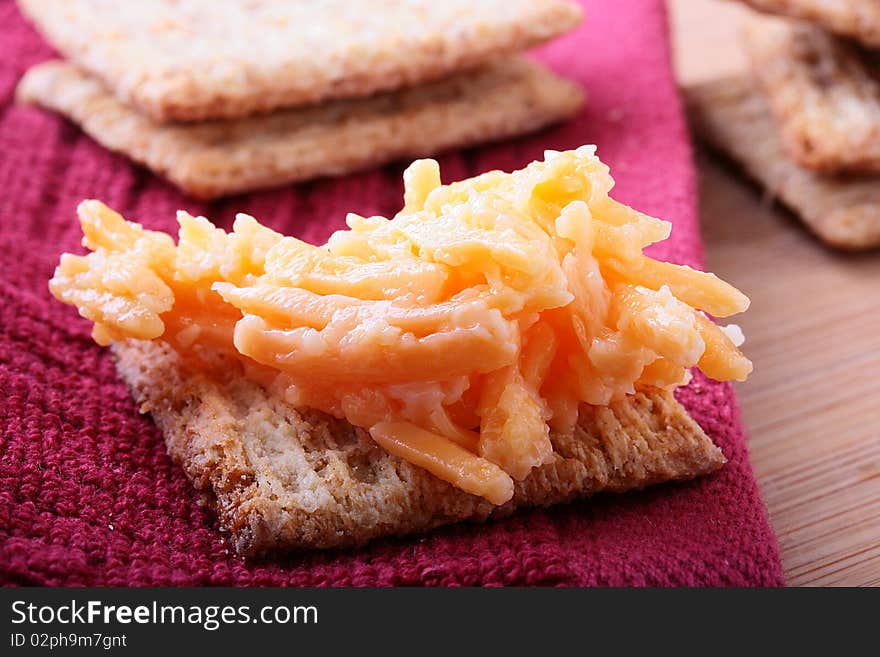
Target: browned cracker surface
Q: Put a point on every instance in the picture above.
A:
(858, 19)
(209, 59)
(824, 93)
(286, 479)
(218, 158)
(844, 211)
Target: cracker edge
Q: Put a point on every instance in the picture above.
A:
(846, 23)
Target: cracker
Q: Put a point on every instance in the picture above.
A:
(843, 211)
(856, 19)
(824, 93)
(284, 479)
(188, 60)
(214, 159)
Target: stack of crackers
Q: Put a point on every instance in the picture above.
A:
(224, 96)
(806, 123)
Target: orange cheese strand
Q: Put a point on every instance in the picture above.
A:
(459, 331)
(698, 289)
(721, 359)
(444, 459)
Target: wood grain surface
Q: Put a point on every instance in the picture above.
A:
(812, 406)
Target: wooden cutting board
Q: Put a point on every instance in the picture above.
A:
(812, 406)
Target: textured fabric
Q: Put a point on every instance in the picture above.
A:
(88, 494)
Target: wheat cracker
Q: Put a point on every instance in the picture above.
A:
(843, 211)
(824, 93)
(191, 60)
(213, 159)
(282, 479)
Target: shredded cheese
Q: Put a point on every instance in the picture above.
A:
(458, 333)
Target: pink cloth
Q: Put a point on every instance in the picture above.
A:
(88, 495)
